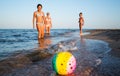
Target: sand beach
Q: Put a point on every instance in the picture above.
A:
(97, 54)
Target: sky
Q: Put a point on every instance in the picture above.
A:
(98, 14)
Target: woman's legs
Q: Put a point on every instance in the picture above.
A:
(39, 31)
(42, 31)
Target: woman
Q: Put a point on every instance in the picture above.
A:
(39, 17)
(48, 23)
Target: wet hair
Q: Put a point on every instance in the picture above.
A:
(39, 5)
(47, 13)
(80, 13)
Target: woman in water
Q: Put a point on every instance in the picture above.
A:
(48, 23)
(39, 17)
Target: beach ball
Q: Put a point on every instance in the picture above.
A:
(64, 63)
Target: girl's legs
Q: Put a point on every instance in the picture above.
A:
(48, 29)
(80, 26)
(45, 29)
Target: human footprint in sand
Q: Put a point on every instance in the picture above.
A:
(81, 22)
(39, 17)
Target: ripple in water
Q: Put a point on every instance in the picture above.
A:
(88, 53)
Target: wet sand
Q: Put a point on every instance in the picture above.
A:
(110, 36)
(111, 61)
(37, 62)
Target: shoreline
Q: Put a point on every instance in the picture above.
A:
(110, 36)
(36, 59)
(111, 61)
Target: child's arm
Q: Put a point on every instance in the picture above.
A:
(79, 20)
(83, 20)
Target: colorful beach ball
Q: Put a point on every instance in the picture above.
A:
(64, 63)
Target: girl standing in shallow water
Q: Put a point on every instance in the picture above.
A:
(39, 17)
(48, 23)
(81, 22)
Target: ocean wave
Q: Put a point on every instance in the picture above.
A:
(13, 40)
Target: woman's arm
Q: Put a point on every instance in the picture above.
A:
(44, 21)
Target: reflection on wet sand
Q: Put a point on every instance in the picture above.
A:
(82, 42)
(83, 65)
(44, 43)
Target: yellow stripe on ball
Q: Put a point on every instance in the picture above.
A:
(61, 62)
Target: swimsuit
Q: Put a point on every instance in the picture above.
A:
(40, 23)
(38, 15)
(48, 20)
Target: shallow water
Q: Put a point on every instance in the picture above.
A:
(88, 54)
(17, 40)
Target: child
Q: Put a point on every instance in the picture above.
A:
(81, 22)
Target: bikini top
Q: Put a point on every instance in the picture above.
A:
(39, 14)
(48, 19)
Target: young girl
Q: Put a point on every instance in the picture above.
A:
(48, 23)
(81, 22)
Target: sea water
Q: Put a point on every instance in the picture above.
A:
(88, 52)
(16, 40)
